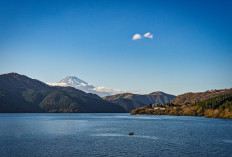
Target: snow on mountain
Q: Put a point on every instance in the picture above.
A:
(86, 87)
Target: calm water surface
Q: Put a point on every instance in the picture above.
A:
(107, 135)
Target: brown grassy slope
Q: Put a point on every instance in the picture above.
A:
(191, 98)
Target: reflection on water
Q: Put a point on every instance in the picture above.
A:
(107, 135)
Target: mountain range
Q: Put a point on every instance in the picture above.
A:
(19, 93)
(130, 101)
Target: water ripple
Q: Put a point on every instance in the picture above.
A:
(120, 135)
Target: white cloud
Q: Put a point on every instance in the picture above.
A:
(136, 37)
(108, 90)
(117, 91)
(101, 91)
(148, 35)
(57, 84)
(83, 84)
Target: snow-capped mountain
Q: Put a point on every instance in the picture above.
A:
(86, 87)
(77, 83)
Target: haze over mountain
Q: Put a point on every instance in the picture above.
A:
(19, 93)
(130, 101)
(77, 83)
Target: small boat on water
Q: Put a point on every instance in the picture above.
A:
(131, 133)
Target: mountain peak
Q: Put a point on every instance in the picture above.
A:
(12, 74)
(16, 80)
(157, 93)
(72, 80)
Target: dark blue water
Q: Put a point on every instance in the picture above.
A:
(107, 135)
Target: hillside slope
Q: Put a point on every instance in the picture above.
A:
(211, 104)
(191, 98)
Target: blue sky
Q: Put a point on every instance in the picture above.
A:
(191, 49)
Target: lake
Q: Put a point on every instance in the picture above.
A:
(44, 134)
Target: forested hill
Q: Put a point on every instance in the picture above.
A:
(191, 98)
(19, 93)
(215, 107)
